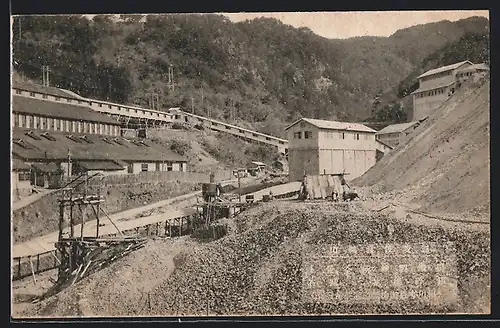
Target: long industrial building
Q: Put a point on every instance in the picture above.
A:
(329, 147)
(138, 117)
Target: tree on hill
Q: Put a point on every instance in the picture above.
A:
(267, 69)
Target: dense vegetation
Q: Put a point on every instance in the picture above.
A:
(259, 72)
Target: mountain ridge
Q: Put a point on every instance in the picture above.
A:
(260, 71)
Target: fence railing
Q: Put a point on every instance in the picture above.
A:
(148, 177)
(32, 265)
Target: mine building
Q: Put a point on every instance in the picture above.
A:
(394, 134)
(437, 85)
(330, 147)
(53, 140)
(46, 115)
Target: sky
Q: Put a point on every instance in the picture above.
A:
(342, 25)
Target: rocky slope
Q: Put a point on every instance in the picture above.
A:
(444, 165)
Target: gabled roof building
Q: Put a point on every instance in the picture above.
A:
(437, 85)
(329, 147)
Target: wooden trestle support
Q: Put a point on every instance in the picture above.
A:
(81, 254)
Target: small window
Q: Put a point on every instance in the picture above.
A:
(19, 92)
(357, 136)
(57, 98)
(32, 94)
(169, 166)
(111, 106)
(307, 134)
(24, 176)
(100, 105)
(90, 103)
(343, 135)
(181, 167)
(68, 100)
(297, 135)
(144, 167)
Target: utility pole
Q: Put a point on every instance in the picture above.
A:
(240, 171)
(192, 105)
(45, 75)
(109, 87)
(171, 83)
(19, 27)
(153, 100)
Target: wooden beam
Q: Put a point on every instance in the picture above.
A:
(32, 271)
(114, 225)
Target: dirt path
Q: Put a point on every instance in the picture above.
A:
(31, 199)
(173, 207)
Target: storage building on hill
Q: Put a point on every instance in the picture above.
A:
(53, 155)
(20, 179)
(393, 134)
(437, 85)
(329, 147)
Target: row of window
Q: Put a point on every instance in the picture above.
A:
(54, 124)
(145, 167)
(70, 100)
(330, 135)
(344, 135)
(24, 176)
(430, 93)
(298, 135)
(464, 74)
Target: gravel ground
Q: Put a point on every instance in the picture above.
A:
(257, 268)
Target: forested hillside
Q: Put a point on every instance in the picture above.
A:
(259, 72)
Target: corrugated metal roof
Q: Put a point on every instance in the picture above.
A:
(54, 109)
(100, 165)
(333, 125)
(38, 88)
(481, 66)
(444, 68)
(19, 165)
(434, 87)
(259, 163)
(46, 168)
(396, 127)
(96, 148)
